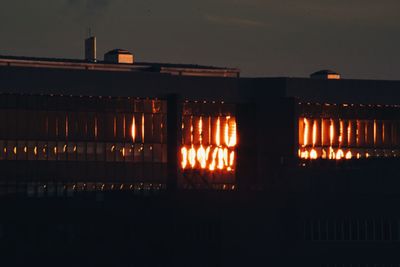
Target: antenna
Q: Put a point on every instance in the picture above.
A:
(88, 32)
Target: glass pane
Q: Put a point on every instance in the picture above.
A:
(157, 130)
(22, 150)
(3, 149)
(120, 152)
(42, 150)
(100, 152)
(11, 150)
(81, 151)
(164, 154)
(110, 152)
(138, 153)
(91, 125)
(148, 153)
(157, 105)
(52, 150)
(128, 127)
(71, 151)
(120, 126)
(32, 150)
(164, 129)
(157, 153)
(129, 152)
(139, 128)
(91, 151)
(148, 128)
(61, 151)
(139, 105)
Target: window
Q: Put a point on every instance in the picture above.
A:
(100, 152)
(42, 150)
(71, 151)
(129, 152)
(52, 150)
(138, 153)
(91, 151)
(81, 151)
(110, 152)
(61, 151)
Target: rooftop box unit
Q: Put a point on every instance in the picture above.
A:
(325, 75)
(119, 56)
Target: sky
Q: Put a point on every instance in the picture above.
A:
(263, 38)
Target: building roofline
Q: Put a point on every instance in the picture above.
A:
(171, 68)
(316, 80)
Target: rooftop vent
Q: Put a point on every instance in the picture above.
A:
(119, 56)
(325, 75)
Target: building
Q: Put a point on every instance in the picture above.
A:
(201, 165)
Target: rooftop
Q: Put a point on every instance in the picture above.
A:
(169, 68)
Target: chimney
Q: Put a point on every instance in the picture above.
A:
(90, 49)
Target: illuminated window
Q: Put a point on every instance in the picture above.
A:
(42, 150)
(119, 152)
(71, 151)
(128, 152)
(61, 150)
(22, 150)
(52, 150)
(208, 141)
(11, 150)
(347, 137)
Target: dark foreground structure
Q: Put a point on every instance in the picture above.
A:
(144, 164)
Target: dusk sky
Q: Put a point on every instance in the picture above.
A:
(359, 39)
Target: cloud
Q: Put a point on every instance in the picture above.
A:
(233, 21)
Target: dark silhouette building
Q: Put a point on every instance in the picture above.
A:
(106, 163)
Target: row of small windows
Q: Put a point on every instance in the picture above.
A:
(83, 126)
(65, 189)
(82, 151)
(52, 189)
(82, 103)
(352, 230)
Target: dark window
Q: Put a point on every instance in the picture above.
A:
(100, 152)
(138, 152)
(129, 152)
(81, 151)
(110, 152)
(91, 151)
(52, 150)
(61, 151)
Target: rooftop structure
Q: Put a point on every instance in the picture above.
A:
(325, 74)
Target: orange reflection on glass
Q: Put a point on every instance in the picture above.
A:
(142, 128)
(184, 154)
(133, 129)
(201, 157)
(337, 139)
(218, 155)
